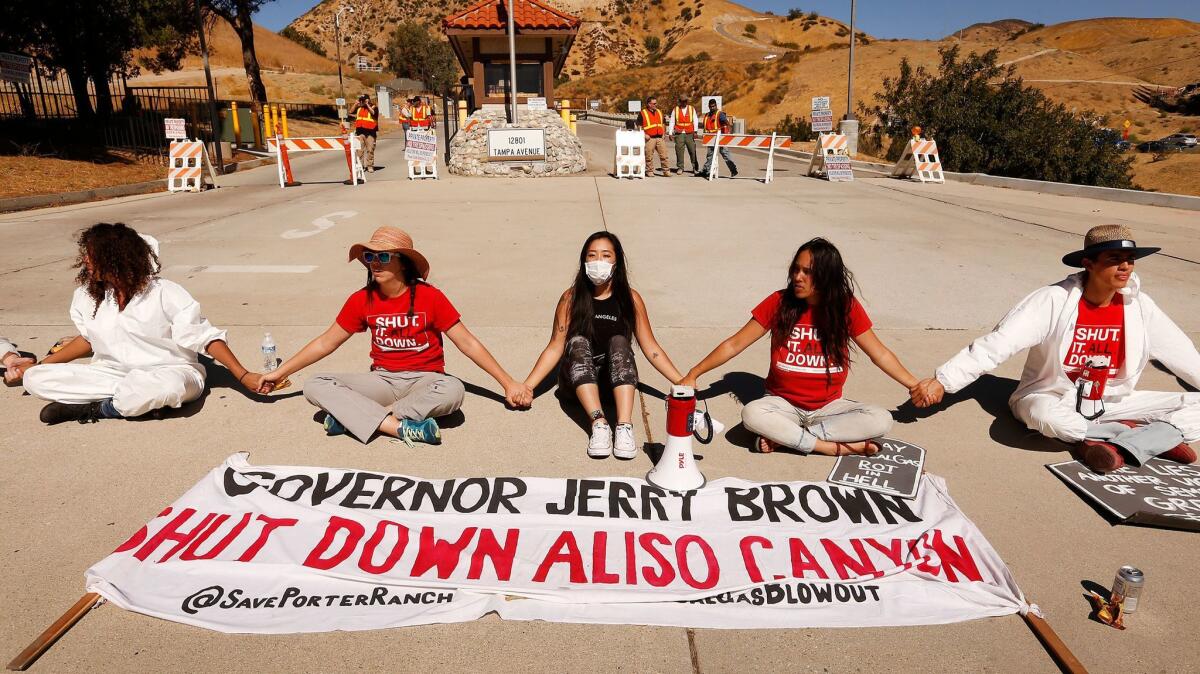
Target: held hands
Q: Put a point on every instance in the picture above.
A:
(16, 370)
(689, 379)
(518, 394)
(267, 382)
(251, 380)
(927, 392)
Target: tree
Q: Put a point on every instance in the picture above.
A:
(413, 52)
(239, 14)
(986, 120)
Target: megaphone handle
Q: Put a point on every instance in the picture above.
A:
(708, 423)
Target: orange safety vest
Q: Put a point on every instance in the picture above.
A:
(420, 117)
(652, 123)
(712, 123)
(684, 122)
(364, 119)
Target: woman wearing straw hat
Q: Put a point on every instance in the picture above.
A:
(407, 387)
(812, 321)
(1098, 319)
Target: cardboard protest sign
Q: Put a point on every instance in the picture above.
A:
(279, 549)
(1159, 493)
(895, 469)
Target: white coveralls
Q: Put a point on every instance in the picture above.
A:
(144, 357)
(6, 347)
(1043, 322)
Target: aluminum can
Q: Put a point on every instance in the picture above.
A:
(1127, 587)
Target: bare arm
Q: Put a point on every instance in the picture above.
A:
(516, 393)
(650, 347)
(735, 344)
(322, 346)
(76, 348)
(885, 360)
(221, 352)
(553, 352)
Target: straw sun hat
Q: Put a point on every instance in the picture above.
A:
(1107, 237)
(393, 240)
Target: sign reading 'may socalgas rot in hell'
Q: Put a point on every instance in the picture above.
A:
(516, 144)
(278, 549)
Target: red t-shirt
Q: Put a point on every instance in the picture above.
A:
(400, 343)
(1099, 331)
(797, 365)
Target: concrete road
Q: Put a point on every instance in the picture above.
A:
(937, 264)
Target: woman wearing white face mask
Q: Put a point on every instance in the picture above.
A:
(594, 325)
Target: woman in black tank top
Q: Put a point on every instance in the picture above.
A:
(595, 324)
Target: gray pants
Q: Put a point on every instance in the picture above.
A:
(708, 160)
(362, 401)
(842, 420)
(687, 140)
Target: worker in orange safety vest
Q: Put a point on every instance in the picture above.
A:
(715, 121)
(651, 121)
(422, 114)
(366, 126)
(682, 128)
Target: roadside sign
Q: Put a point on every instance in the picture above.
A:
(593, 104)
(704, 103)
(635, 106)
(895, 469)
(822, 116)
(15, 68)
(176, 128)
(516, 144)
(537, 103)
(820, 103)
(340, 102)
(1127, 124)
(420, 146)
(838, 168)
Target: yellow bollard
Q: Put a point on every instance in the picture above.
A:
(574, 118)
(283, 118)
(566, 112)
(237, 129)
(462, 114)
(267, 122)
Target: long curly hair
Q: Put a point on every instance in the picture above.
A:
(831, 317)
(112, 257)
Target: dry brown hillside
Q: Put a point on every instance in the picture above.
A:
(1096, 34)
(993, 31)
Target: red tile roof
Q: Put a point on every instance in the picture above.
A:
(527, 14)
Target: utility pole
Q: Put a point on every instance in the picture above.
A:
(512, 62)
(337, 37)
(214, 119)
(849, 125)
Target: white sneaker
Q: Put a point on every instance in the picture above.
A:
(623, 446)
(601, 444)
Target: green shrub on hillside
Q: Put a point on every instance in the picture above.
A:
(303, 39)
(986, 120)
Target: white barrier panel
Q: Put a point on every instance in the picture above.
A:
(630, 160)
(920, 160)
(420, 150)
(185, 166)
(830, 158)
(284, 147)
(770, 143)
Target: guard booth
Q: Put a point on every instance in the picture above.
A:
(479, 37)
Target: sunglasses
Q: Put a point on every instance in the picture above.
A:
(384, 258)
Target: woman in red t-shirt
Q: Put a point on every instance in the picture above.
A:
(812, 323)
(407, 387)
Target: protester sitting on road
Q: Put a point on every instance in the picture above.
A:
(714, 121)
(143, 332)
(653, 127)
(14, 363)
(407, 387)
(682, 129)
(1102, 313)
(590, 342)
(812, 322)
(366, 127)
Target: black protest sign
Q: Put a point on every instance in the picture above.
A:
(895, 469)
(1159, 493)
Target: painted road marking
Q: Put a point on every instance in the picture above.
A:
(321, 224)
(241, 269)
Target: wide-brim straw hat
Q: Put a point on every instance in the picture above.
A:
(1107, 237)
(392, 240)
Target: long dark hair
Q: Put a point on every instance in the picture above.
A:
(409, 271)
(831, 317)
(121, 261)
(581, 292)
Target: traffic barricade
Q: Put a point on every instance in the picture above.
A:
(769, 143)
(631, 155)
(921, 161)
(831, 159)
(186, 161)
(285, 147)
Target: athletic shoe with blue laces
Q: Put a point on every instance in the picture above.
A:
(426, 431)
(333, 426)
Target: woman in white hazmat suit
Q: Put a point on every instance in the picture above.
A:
(143, 332)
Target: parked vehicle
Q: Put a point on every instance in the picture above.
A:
(1160, 145)
(1181, 139)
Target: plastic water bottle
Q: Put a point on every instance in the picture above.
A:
(268, 352)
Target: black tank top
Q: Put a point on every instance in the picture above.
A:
(606, 322)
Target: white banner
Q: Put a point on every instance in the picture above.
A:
(420, 146)
(278, 549)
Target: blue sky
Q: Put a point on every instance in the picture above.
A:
(929, 19)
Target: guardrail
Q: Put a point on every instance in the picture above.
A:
(618, 119)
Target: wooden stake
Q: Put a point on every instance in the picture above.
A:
(1062, 656)
(60, 627)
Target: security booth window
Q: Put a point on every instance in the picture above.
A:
(529, 79)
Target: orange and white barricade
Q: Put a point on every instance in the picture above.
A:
(185, 166)
(920, 160)
(284, 147)
(769, 143)
(630, 160)
(831, 158)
